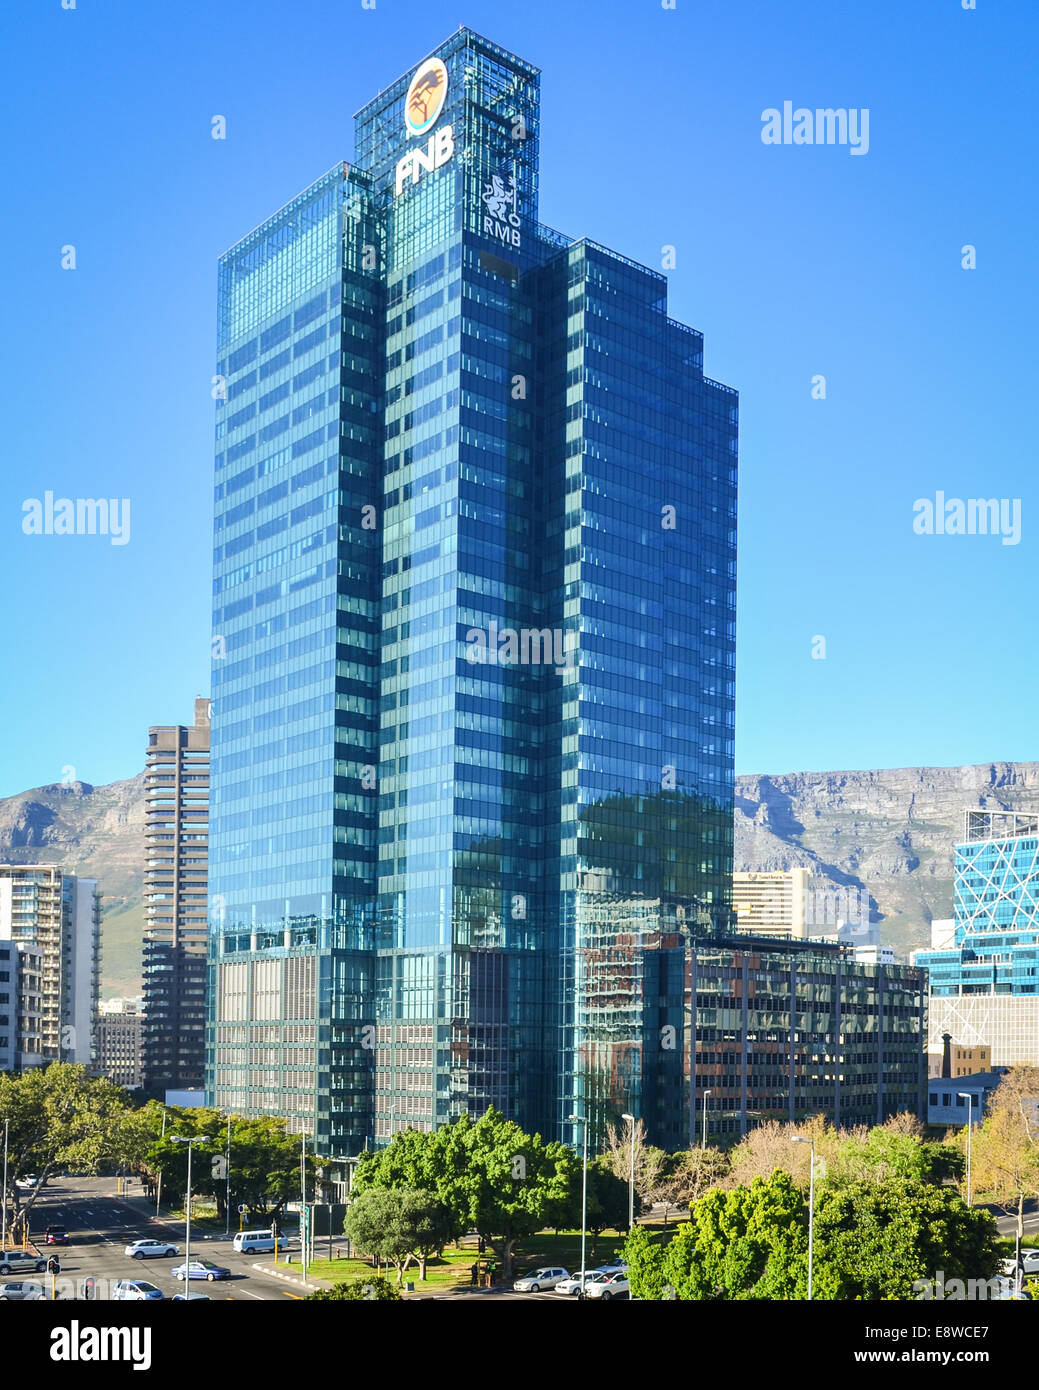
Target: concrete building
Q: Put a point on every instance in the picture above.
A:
(175, 886)
(798, 905)
(21, 1006)
(59, 915)
(947, 1102)
(984, 984)
(952, 1059)
(119, 1043)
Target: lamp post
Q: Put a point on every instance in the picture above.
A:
(227, 1197)
(969, 1098)
(193, 1140)
(703, 1144)
(797, 1139)
(158, 1186)
(578, 1120)
(631, 1174)
(3, 1238)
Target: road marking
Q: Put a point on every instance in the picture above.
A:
(291, 1295)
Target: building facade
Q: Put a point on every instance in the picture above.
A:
(176, 872)
(985, 986)
(120, 1037)
(474, 614)
(54, 919)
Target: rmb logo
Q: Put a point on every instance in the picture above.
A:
(426, 96)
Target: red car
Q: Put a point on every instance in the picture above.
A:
(56, 1235)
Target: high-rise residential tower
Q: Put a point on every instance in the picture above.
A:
(474, 580)
(176, 834)
(54, 919)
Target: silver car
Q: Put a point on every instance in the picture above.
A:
(538, 1279)
(146, 1249)
(23, 1289)
(21, 1262)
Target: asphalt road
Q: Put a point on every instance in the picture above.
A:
(100, 1225)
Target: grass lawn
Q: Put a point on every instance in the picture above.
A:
(545, 1248)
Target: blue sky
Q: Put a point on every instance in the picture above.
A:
(793, 260)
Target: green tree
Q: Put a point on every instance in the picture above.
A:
(1005, 1147)
(265, 1158)
(373, 1289)
(398, 1224)
(491, 1176)
(607, 1201)
(59, 1116)
(875, 1241)
(645, 1265)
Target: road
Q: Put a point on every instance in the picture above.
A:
(101, 1224)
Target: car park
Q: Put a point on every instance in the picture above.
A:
(136, 1291)
(21, 1262)
(607, 1286)
(22, 1290)
(538, 1279)
(572, 1284)
(201, 1269)
(147, 1248)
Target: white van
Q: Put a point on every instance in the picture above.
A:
(254, 1242)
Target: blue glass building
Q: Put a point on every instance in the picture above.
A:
(996, 907)
(474, 624)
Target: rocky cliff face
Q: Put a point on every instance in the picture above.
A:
(96, 832)
(889, 832)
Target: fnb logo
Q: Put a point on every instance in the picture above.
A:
(426, 96)
(438, 151)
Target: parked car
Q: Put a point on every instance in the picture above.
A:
(21, 1261)
(1029, 1263)
(145, 1249)
(135, 1291)
(201, 1269)
(572, 1285)
(56, 1235)
(539, 1279)
(190, 1297)
(606, 1286)
(22, 1289)
(1006, 1292)
(27, 1182)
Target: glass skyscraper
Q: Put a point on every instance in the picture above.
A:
(474, 624)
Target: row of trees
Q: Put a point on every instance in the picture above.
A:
(59, 1118)
(873, 1240)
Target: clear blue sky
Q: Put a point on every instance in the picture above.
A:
(792, 260)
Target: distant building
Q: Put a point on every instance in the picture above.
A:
(955, 1059)
(984, 986)
(175, 887)
(58, 914)
(875, 955)
(119, 1043)
(20, 1007)
(796, 904)
(947, 1103)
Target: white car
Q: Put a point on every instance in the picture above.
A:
(606, 1286)
(572, 1284)
(539, 1279)
(145, 1249)
(1029, 1263)
(136, 1291)
(27, 1183)
(26, 1289)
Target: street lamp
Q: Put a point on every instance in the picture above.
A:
(194, 1139)
(3, 1238)
(578, 1120)
(705, 1095)
(969, 1098)
(631, 1175)
(797, 1139)
(227, 1195)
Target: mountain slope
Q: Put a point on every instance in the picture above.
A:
(890, 832)
(97, 832)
